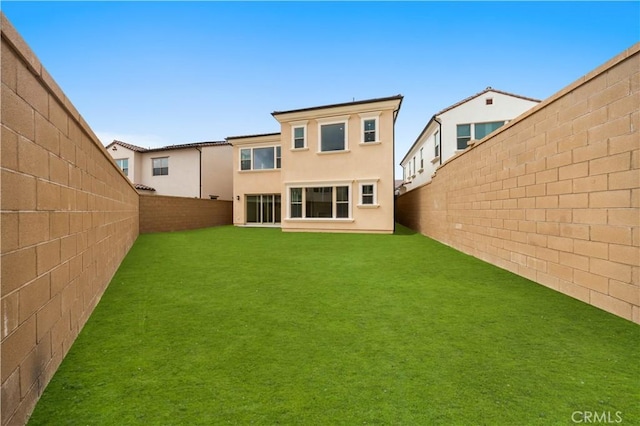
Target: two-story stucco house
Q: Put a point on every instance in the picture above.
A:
(330, 168)
(200, 170)
(449, 131)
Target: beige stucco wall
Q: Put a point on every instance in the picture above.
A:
(251, 182)
(555, 195)
(217, 171)
(370, 162)
(69, 216)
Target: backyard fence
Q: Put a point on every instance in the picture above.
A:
(554, 195)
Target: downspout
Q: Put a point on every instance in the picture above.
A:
(393, 165)
(440, 132)
(200, 172)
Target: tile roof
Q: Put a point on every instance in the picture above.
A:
(488, 89)
(143, 187)
(126, 145)
(168, 147)
(189, 145)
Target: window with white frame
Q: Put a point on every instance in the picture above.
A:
(333, 136)
(421, 158)
(436, 144)
(245, 159)
(463, 132)
(369, 127)
(299, 137)
(368, 194)
(160, 166)
(123, 163)
(369, 133)
(260, 158)
(483, 129)
(321, 202)
(295, 200)
(480, 130)
(413, 166)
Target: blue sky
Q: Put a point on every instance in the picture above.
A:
(161, 73)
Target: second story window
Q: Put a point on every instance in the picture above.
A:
(483, 129)
(464, 135)
(160, 166)
(123, 163)
(436, 144)
(245, 159)
(370, 129)
(333, 137)
(263, 158)
(298, 137)
(421, 159)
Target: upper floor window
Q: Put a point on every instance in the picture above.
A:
(483, 129)
(464, 135)
(421, 159)
(333, 137)
(299, 140)
(123, 163)
(436, 144)
(369, 127)
(263, 158)
(480, 130)
(160, 166)
(369, 132)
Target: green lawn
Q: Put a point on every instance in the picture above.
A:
(236, 326)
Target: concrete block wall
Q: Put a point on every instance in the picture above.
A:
(161, 213)
(68, 218)
(553, 196)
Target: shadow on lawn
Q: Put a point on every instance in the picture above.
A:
(403, 230)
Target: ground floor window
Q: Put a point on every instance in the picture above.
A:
(320, 202)
(263, 208)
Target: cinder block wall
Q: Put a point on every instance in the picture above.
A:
(68, 217)
(553, 196)
(160, 213)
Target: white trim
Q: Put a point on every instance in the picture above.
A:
(361, 184)
(250, 149)
(321, 184)
(299, 125)
(376, 118)
(329, 121)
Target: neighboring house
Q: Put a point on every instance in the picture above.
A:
(331, 168)
(450, 131)
(200, 170)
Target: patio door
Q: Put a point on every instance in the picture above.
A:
(263, 208)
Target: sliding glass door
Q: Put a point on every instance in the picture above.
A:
(263, 208)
